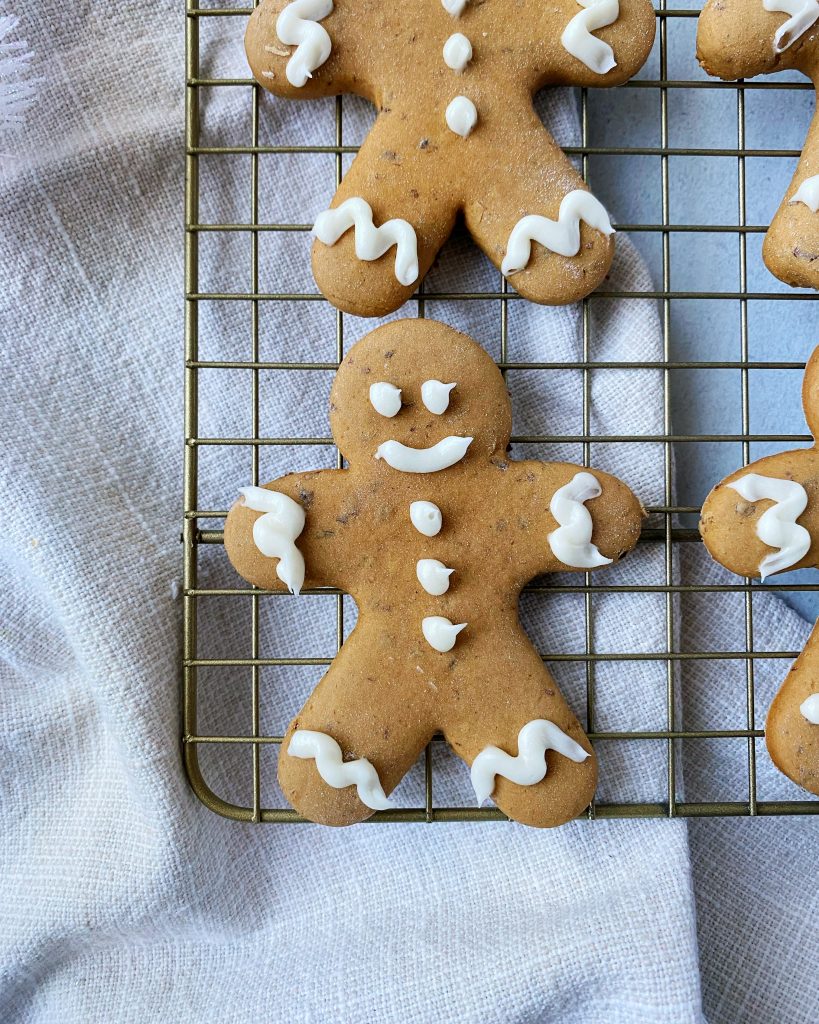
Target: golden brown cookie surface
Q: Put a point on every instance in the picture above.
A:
(745, 38)
(761, 520)
(389, 689)
(449, 141)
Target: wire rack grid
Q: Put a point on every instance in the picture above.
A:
(670, 525)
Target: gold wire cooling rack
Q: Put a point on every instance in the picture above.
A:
(677, 522)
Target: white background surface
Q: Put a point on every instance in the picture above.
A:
(122, 898)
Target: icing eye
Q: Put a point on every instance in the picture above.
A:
(435, 396)
(385, 398)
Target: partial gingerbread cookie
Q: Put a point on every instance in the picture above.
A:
(456, 131)
(762, 520)
(434, 530)
(745, 38)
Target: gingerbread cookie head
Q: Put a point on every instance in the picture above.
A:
(434, 529)
(436, 392)
(762, 520)
(744, 38)
(456, 132)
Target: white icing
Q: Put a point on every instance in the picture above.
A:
(454, 7)
(297, 25)
(336, 772)
(424, 460)
(810, 708)
(571, 542)
(461, 116)
(440, 633)
(529, 767)
(433, 576)
(457, 51)
(426, 518)
(777, 526)
(808, 193)
(275, 532)
(371, 242)
(802, 15)
(577, 36)
(435, 396)
(561, 236)
(385, 398)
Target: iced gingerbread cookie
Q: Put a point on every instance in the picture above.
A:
(762, 520)
(745, 38)
(456, 131)
(434, 530)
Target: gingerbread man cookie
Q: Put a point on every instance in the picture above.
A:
(456, 131)
(745, 38)
(434, 530)
(762, 520)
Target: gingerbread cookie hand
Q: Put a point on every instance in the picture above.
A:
(456, 132)
(744, 38)
(762, 520)
(434, 530)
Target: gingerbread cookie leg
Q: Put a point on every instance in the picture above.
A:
(525, 747)
(361, 730)
(387, 221)
(791, 248)
(538, 223)
(792, 725)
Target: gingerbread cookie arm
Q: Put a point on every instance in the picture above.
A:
(601, 42)
(311, 519)
(764, 519)
(792, 725)
(585, 519)
(375, 715)
(549, 773)
(388, 219)
(305, 49)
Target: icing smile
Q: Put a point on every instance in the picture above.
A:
(424, 460)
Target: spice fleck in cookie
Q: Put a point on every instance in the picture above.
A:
(434, 530)
(745, 38)
(762, 520)
(456, 132)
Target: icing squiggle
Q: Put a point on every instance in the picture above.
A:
(371, 242)
(529, 767)
(336, 772)
(810, 709)
(571, 542)
(297, 25)
(561, 236)
(808, 193)
(577, 36)
(423, 460)
(802, 15)
(275, 532)
(440, 633)
(777, 526)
